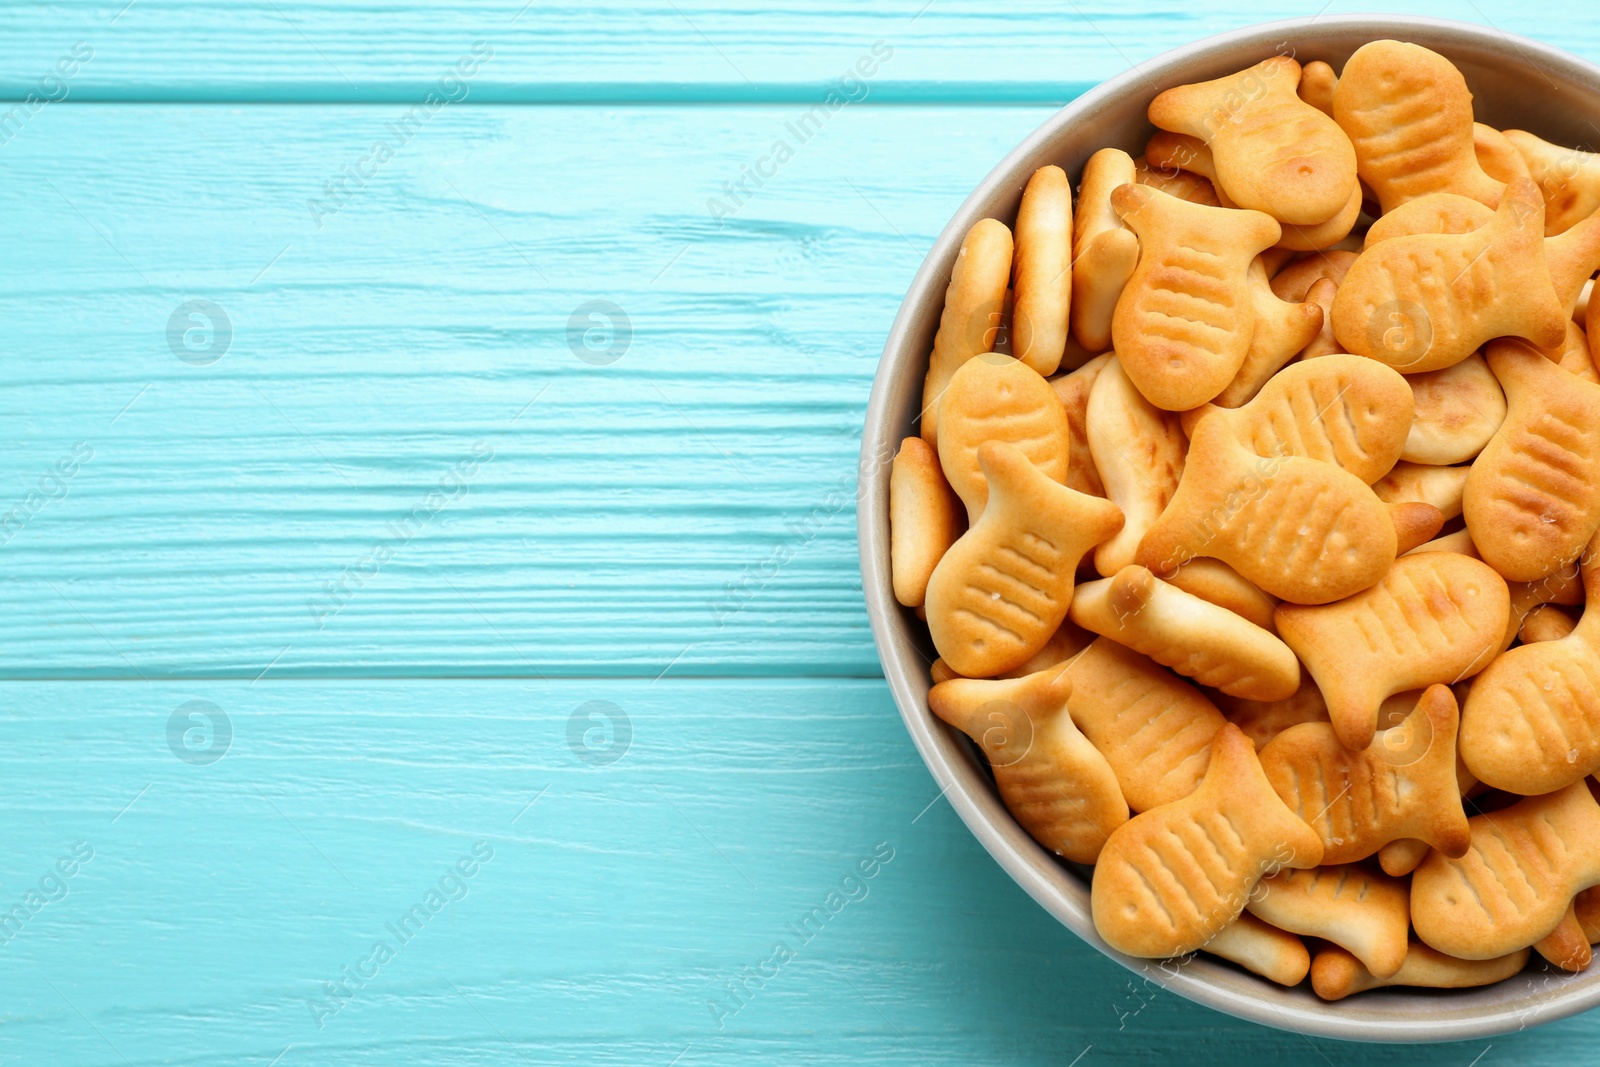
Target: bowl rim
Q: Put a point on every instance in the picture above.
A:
(1395, 1015)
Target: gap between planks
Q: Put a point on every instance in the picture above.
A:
(935, 94)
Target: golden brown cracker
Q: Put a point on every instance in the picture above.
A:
(1341, 409)
(1403, 785)
(1424, 302)
(1174, 181)
(1262, 721)
(1440, 486)
(1184, 320)
(1170, 878)
(1317, 82)
(1459, 542)
(1568, 178)
(1104, 251)
(1458, 409)
(1276, 258)
(1073, 390)
(1194, 637)
(1063, 645)
(1293, 281)
(1002, 336)
(1154, 728)
(1335, 974)
(1401, 857)
(1396, 707)
(1566, 946)
(1282, 331)
(1168, 152)
(1586, 907)
(1575, 357)
(1496, 154)
(1436, 213)
(973, 304)
(994, 397)
(1546, 623)
(1138, 450)
(1331, 235)
(1301, 530)
(1572, 257)
(1215, 581)
(1564, 587)
(1408, 113)
(1273, 152)
(1181, 154)
(1321, 293)
(1054, 782)
(1360, 910)
(1532, 501)
(1592, 330)
(1516, 881)
(925, 519)
(1435, 617)
(1261, 948)
(1530, 725)
(1414, 523)
(1003, 589)
(1042, 270)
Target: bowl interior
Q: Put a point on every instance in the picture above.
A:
(1516, 84)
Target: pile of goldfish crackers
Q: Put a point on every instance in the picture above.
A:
(1252, 517)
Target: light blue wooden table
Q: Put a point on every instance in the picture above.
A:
(431, 619)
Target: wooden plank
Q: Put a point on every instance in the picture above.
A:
(632, 50)
(223, 899)
(689, 506)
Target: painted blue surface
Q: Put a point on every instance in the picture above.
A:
(472, 609)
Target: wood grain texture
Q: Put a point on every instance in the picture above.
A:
(614, 911)
(686, 510)
(953, 51)
(690, 505)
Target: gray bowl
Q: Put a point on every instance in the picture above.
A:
(1517, 84)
